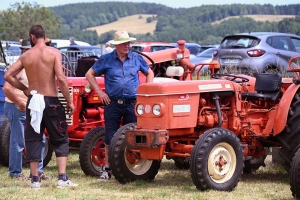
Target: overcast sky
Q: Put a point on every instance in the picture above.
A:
(5, 4)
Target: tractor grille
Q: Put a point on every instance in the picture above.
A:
(64, 102)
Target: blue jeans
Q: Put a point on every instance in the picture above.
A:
(16, 143)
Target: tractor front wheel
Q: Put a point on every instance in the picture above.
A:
(295, 175)
(217, 160)
(126, 165)
(92, 152)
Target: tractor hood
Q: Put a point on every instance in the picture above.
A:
(180, 87)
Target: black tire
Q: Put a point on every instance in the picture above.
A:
(4, 142)
(4, 148)
(47, 153)
(122, 169)
(271, 69)
(290, 137)
(0, 145)
(295, 175)
(220, 146)
(92, 152)
(181, 163)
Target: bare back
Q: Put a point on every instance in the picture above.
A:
(42, 64)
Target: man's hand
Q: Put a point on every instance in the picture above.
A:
(104, 97)
(21, 106)
(70, 108)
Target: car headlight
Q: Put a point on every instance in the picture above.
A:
(87, 88)
(140, 109)
(156, 110)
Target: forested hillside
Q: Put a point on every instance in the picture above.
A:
(192, 24)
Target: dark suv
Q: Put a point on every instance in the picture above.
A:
(257, 52)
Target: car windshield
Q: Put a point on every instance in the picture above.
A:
(239, 42)
(206, 53)
(137, 48)
(91, 51)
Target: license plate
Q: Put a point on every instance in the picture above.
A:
(231, 61)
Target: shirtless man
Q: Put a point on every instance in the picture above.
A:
(43, 68)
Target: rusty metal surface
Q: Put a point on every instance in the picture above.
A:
(146, 138)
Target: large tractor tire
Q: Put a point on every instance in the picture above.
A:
(4, 142)
(0, 145)
(290, 137)
(47, 153)
(126, 165)
(92, 152)
(295, 175)
(4, 147)
(217, 160)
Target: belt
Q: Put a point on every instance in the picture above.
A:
(129, 101)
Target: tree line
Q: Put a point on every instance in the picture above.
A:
(191, 24)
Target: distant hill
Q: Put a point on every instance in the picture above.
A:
(136, 24)
(262, 18)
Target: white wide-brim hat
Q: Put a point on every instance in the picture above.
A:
(121, 37)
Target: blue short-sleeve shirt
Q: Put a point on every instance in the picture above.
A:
(121, 78)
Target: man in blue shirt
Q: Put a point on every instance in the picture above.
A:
(120, 68)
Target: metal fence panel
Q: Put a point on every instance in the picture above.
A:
(70, 60)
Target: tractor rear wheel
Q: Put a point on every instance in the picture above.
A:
(92, 152)
(295, 175)
(4, 147)
(4, 142)
(217, 160)
(126, 165)
(290, 137)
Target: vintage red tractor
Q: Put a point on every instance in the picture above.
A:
(215, 127)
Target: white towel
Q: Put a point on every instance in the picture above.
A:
(36, 106)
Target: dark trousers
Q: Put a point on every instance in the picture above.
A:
(114, 113)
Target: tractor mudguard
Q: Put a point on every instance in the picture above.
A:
(283, 108)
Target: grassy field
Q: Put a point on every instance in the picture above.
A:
(267, 183)
(132, 24)
(262, 18)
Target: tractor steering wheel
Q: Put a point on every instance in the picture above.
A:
(150, 59)
(231, 77)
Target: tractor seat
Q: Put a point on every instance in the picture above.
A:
(267, 87)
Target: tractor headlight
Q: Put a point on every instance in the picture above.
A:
(87, 88)
(156, 110)
(140, 109)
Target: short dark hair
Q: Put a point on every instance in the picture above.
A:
(38, 31)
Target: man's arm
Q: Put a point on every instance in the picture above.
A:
(11, 75)
(90, 75)
(9, 92)
(62, 81)
(149, 76)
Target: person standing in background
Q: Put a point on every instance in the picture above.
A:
(108, 48)
(72, 41)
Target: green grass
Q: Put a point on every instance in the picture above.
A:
(270, 182)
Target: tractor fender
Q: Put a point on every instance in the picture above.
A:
(283, 108)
